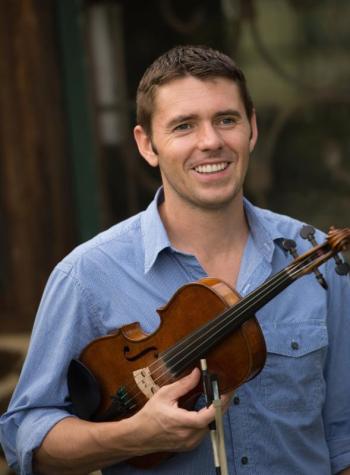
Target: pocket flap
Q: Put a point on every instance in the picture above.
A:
(296, 339)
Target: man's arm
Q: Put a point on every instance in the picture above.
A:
(345, 472)
(74, 446)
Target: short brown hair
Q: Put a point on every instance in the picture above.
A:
(201, 62)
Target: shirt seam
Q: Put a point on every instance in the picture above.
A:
(94, 309)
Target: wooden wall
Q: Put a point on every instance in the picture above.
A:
(36, 206)
(35, 200)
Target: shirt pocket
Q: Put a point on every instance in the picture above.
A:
(292, 378)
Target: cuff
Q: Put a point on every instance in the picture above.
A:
(32, 432)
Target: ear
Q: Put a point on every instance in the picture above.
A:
(254, 132)
(144, 144)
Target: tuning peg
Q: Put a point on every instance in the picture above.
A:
(290, 246)
(308, 232)
(342, 268)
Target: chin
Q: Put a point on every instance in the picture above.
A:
(220, 200)
(218, 203)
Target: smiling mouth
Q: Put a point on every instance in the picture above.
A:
(211, 168)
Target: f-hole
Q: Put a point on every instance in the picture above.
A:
(140, 354)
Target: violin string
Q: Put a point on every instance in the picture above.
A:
(277, 279)
(205, 338)
(289, 272)
(223, 320)
(241, 306)
(220, 320)
(160, 365)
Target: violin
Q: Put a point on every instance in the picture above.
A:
(116, 374)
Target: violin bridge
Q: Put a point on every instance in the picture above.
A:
(144, 381)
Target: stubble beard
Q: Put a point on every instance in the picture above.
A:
(195, 202)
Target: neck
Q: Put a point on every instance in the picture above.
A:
(215, 237)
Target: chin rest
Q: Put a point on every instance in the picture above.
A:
(83, 389)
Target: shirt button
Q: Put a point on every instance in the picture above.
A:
(236, 400)
(294, 345)
(244, 460)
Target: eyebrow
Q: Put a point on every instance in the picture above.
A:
(179, 119)
(188, 117)
(233, 112)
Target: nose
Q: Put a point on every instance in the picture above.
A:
(209, 138)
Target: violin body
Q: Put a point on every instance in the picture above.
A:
(128, 366)
(114, 358)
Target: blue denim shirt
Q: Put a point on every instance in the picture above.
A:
(292, 419)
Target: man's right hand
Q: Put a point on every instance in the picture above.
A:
(166, 426)
(74, 446)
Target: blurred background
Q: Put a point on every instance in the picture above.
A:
(69, 168)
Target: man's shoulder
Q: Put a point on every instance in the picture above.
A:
(280, 220)
(283, 224)
(114, 242)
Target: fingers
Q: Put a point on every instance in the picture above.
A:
(163, 425)
(170, 395)
(226, 400)
(182, 386)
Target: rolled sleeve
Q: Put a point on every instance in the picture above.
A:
(65, 323)
(29, 436)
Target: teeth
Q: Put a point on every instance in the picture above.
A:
(211, 168)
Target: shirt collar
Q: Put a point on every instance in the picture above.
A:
(264, 233)
(155, 238)
(154, 235)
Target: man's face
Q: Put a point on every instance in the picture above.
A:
(201, 140)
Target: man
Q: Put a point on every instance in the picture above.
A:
(196, 122)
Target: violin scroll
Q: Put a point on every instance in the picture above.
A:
(339, 239)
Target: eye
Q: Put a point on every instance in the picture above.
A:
(228, 120)
(182, 127)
